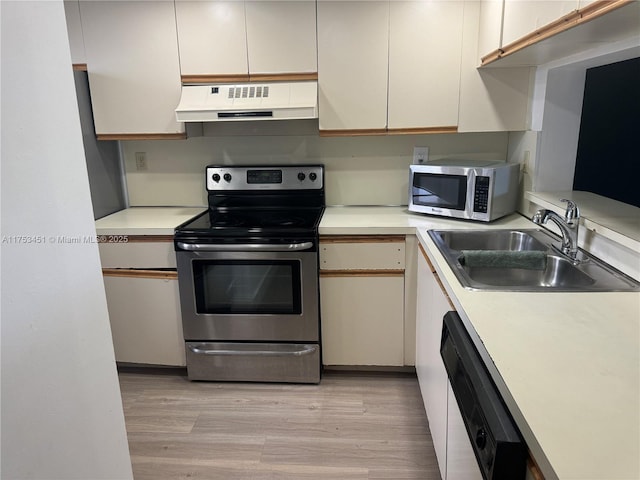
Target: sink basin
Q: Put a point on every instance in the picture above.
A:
(560, 274)
(494, 240)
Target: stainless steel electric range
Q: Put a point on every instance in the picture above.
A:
(248, 275)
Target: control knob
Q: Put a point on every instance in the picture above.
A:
(313, 176)
(216, 177)
(301, 176)
(227, 177)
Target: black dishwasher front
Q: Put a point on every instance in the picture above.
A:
(498, 446)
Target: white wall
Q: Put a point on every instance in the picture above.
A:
(358, 170)
(62, 414)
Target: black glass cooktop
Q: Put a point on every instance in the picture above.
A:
(256, 221)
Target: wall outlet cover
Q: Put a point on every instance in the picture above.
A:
(420, 155)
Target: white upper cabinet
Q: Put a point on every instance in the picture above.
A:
(212, 37)
(132, 62)
(281, 36)
(74, 30)
(235, 38)
(490, 99)
(425, 47)
(490, 27)
(353, 54)
(524, 17)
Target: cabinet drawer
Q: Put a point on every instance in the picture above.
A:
(362, 253)
(138, 254)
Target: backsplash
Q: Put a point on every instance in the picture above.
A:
(358, 170)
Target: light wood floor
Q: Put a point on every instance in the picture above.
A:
(351, 426)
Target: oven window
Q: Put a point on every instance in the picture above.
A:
(247, 287)
(438, 190)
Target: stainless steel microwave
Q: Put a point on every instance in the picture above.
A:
(468, 189)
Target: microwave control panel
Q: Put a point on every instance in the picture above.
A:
(481, 195)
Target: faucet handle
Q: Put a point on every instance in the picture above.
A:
(572, 212)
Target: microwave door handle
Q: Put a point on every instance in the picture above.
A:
(244, 247)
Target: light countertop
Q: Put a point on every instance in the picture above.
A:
(397, 221)
(567, 364)
(145, 220)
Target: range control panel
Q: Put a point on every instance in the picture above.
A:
(288, 177)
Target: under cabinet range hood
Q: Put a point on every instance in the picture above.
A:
(248, 101)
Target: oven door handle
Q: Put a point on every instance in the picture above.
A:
(304, 350)
(203, 247)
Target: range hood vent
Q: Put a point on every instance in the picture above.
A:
(249, 101)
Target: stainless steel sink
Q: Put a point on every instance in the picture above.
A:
(493, 240)
(561, 274)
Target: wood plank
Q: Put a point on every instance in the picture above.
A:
(350, 426)
(362, 238)
(141, 136)
(252, 78)
(362, 273)
(436, 276)
(283, 77)
(353, 133)
(572, 19)
(422, 130)
(140, 273)
(232, 78)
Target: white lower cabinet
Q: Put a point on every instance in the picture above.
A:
(362, 320)
(362, 300)
(455, 455)
(450, 440)
(141, 286)
(432, 304)
(145, 320)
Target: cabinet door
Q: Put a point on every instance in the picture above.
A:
(146, 324)
(432, 304)
(212, 37)
(362, 320)
(524, 17)
(132, 62)
(491, 99)
(74, 31)
(490, 26)
(281, 36)
(353, 47)
(425, 47)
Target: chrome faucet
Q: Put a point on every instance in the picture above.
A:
(568, 226)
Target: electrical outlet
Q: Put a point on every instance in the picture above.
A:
(141, 161)
(420, 154)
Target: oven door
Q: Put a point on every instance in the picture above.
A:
(260, 293)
